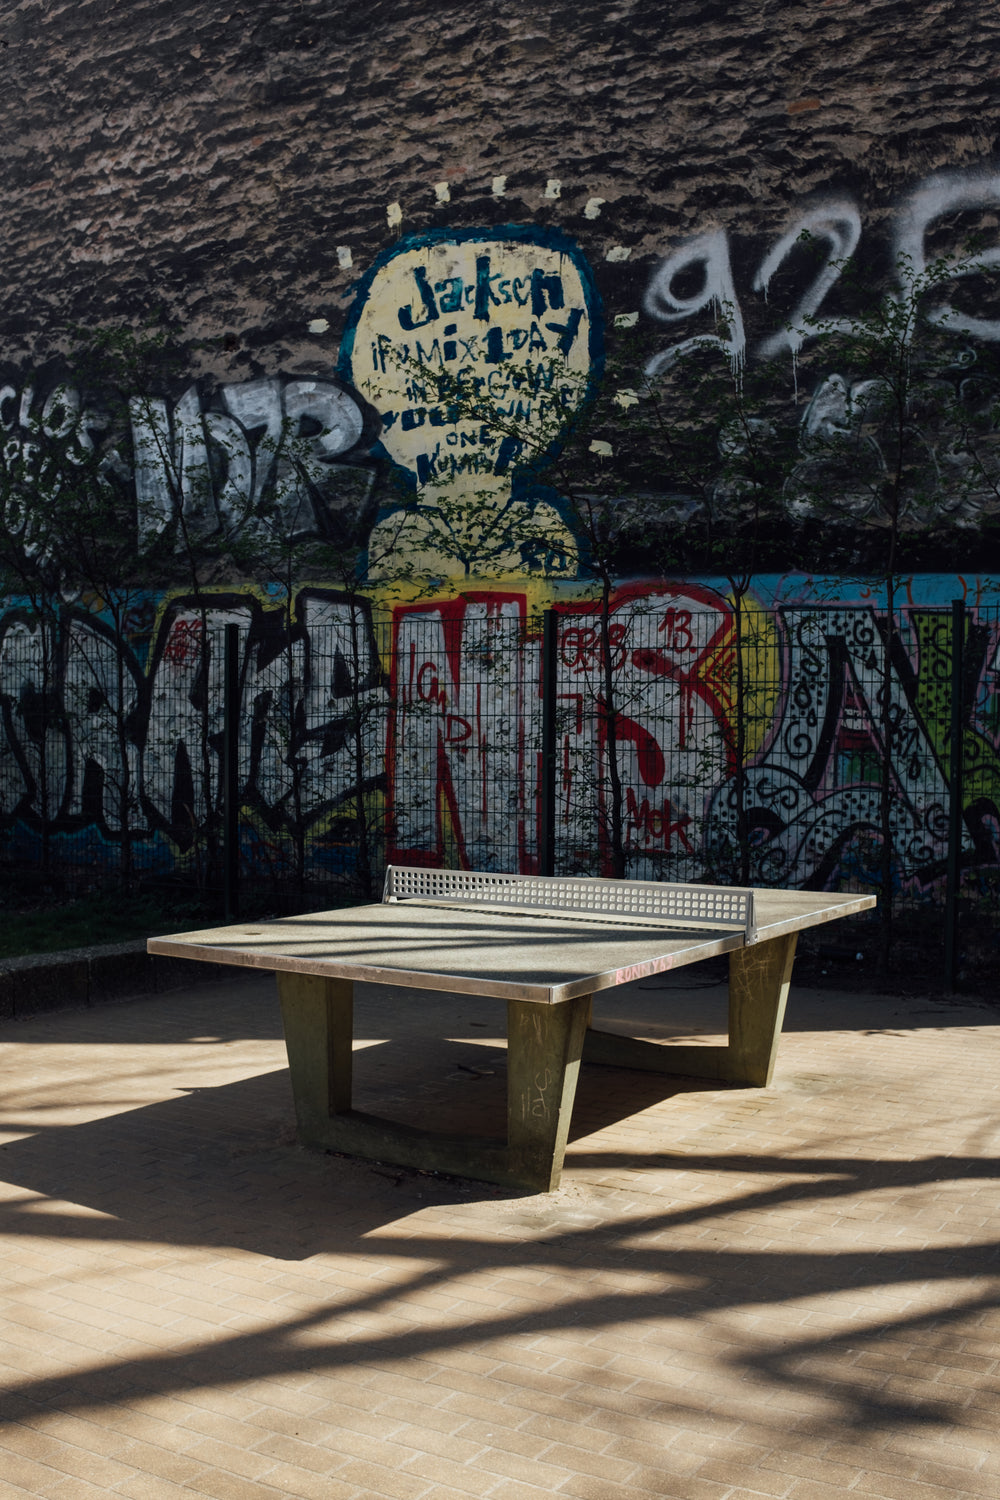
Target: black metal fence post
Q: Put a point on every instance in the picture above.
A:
(954, 869)
(231, 774)
(547, 809)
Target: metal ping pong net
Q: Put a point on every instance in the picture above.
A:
(686, 908)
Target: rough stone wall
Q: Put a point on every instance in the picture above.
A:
(223, 165)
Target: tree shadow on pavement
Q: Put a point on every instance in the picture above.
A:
(217, 1169)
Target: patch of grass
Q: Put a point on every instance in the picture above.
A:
(95, 919)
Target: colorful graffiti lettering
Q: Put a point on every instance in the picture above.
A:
(936, 204)
(265, 455)
(435, 707)
(466, 356)
(78, 733)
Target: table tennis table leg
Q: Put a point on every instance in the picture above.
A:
(318, 1018)
(759, 976)
(544, 1044)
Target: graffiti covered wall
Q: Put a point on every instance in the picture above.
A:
(400, 251)
(430, 712)
(406, 702)
(469, 356)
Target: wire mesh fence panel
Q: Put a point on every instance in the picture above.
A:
(979, 882)
(850, 752)
(463, 736)
(111, 769)
(641, 709)
(691, 740)
(645, 695)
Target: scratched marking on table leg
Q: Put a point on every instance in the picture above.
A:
(539, 1105)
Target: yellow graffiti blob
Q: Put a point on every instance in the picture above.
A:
(476, 354)
(760, 655)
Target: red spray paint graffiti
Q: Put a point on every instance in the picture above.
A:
(464, 737)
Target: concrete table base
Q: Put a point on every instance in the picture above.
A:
(545, 1045)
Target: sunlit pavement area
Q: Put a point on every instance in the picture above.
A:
(791, 1292)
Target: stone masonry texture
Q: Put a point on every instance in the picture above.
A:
(206, 163)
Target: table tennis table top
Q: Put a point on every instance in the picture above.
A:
(541, 955)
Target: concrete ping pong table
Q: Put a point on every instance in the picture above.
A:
(545, 945)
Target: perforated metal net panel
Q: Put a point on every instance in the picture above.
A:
(687, 905)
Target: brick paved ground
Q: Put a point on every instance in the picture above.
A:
(735, 1293)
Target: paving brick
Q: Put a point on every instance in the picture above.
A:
(390, 1385)
(335, 1419)
(214, 1424)
(514, 1489)
(333, 1397)
(374, 1479)
(492, 1413)
(423, 1418)
(537, 1470)
(673, 1459)
(817, 1489)
(746, 1476)
(290, 1479)
(460, 1448)
(889, 1487)
(158, 1462)
(65, 1488)
(601, 1465)
(569, 1434)
(64, 1457)
(443, 1471)
(585, 1487)
(779, 1308)
(289, 1450)
(147, 1487)
(353, 1445)
(807, 1466)
(250, 1463)
(33, 1478)
(978, 1482)
(492, 1436)
(677, 1485)
(226, 1486)
(11, 1491)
